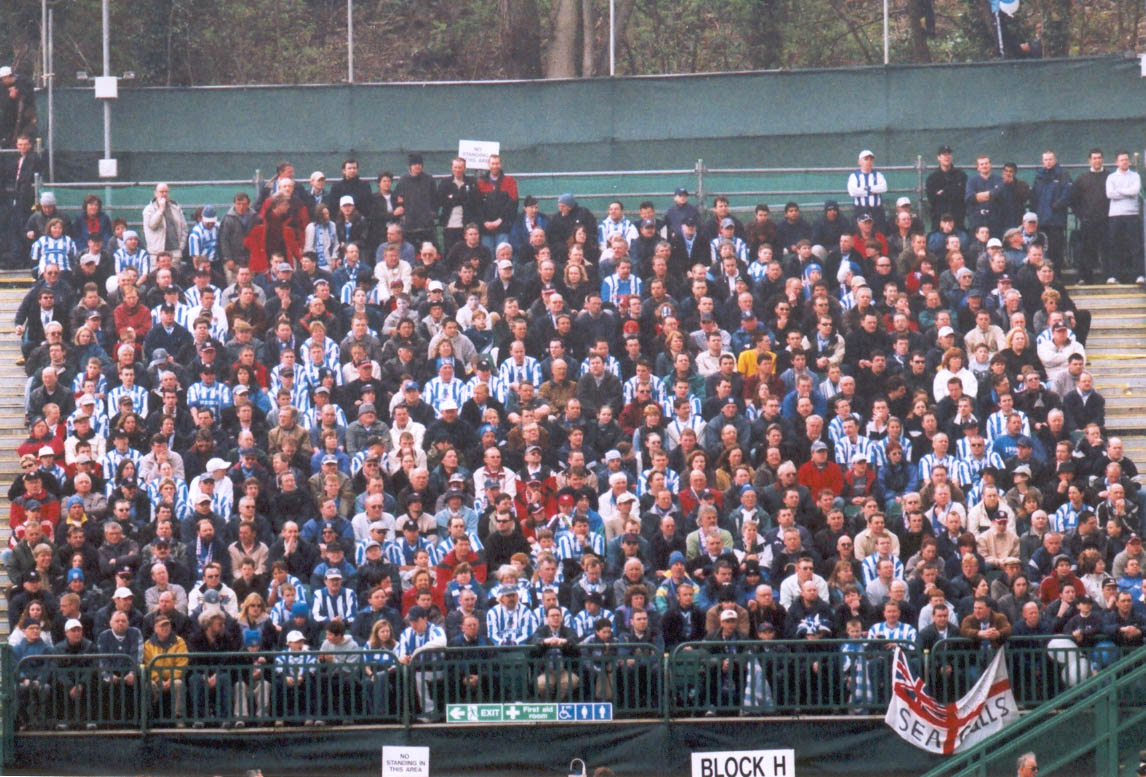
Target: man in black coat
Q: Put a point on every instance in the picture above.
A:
(458, 202)
(419, 195)
(685, 621)
(568, 216)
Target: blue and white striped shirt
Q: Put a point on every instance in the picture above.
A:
(672, 481)
(874, 181)
(60, 251)
(112, 458)
(529, 371)
(138, 396)
(928, 462)
(845, 449)
(401, 554)
(497, 388)
(569, 546)
(583, 622)
(613, 288)
(740, 248)
(214, 397)
(411, 640)
(997, 424)
(510, 627)
(881, 449)
(204, 241)
(611, 365)
(194, 297)
(140, 260)
(438, 391)
(901, 631)
(871, 567)
(328, 606)
(607, 228)
(1066, 517)
(331, 355)
(656, 389)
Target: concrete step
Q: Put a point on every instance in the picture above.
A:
(1104, 290)
(1114, 340)
(1126, 319)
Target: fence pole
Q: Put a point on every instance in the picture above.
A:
(7, 706)
(919, 182)
(700, 184)
(37, 187)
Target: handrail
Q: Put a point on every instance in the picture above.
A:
(1031, 727)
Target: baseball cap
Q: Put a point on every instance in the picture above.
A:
(729, 615)
(945, 330)
(866, 153)
(332, 573)
(75, 574)
(902, 201)
(1030, 215)
(727, 222)
(565, 500)
(417, 612)
(74, 623)
(123, 592)
(944, 149)
(448, 404)
(46, 450)
(294, 635)
(680, 192)
(858, 457)
(345, 199)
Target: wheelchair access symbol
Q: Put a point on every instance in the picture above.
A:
(584, 713)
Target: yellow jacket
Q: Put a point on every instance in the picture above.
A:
(165, 669)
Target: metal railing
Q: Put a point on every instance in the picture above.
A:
(273, 688)
(780, 676)
(67, 691)
(1041, 667)
(1091, 720)
(364, 686)
(627, 675)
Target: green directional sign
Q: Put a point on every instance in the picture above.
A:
(519, 712)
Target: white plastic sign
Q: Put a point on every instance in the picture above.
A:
(405, 761)
(477, 152)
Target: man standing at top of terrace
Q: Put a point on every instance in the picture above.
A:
(866, 187)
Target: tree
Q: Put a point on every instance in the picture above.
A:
(519, 30)
(562, 59)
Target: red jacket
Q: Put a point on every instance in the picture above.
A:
(830, 477)
(139, 319)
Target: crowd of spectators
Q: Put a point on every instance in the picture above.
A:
(425, 414)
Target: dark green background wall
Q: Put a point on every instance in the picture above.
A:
(742, 119)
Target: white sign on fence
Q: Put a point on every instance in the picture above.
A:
(477, 152)
(405, 761)
(745, 763)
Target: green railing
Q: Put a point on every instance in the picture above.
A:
(362, 686)
(1040, 667)
(66, 691)
(273, 688)
(628, 675)
(780, 676)
(1084, 730)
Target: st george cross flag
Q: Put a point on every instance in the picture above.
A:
(948, 728)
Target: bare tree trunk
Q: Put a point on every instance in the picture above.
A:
(624, 14)
(919, 50)
(588, 30)
(561, 61)
(520, 35)
(1056, 28)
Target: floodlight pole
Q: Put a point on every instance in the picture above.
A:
(885, 39)
(350, 41)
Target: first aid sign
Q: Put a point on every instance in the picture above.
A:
(745, 763)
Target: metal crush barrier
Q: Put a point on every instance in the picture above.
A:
(823, 676)
(365, 686)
